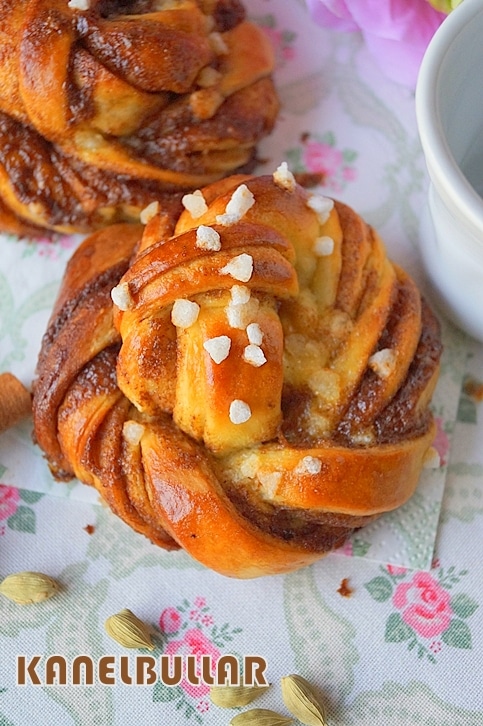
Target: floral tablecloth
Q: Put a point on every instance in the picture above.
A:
(389, 630)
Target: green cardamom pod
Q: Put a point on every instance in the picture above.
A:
(301, 700)
(235, 696)
(25, 588)
(125, 628)
(260, 717)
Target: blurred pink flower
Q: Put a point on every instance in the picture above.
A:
(396, 570)
(346, 549)
(196, 643)
(203, 706)
(9, 499)
(441, 441)
(170, 620)
(396, 32)
(425, 605)
(322, 158)
(283, 51)
(67, 242)
(348, 173)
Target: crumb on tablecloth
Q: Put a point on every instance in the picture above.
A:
(344, 588)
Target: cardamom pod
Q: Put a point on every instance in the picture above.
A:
(235, 696)
(260, 717)
(301, 700)
(27, 587)
(125, 628)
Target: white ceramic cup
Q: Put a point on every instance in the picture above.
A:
(449, 110)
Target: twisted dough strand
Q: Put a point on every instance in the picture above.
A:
(285, 406)
(105, 109)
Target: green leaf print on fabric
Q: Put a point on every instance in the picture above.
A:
(73, 627)
(330, 639)
(425, 613)
(463, 605)
(396, 629)
(463, 494)
(466, 410)
(13, 318)
(24, 520)
(303, 94)
(13, 620)
(403, 173)
(380, 588)
(322, 640)
(164, 693)
(4, 721)
(127, 550)
(412, 704)
(458, 635)
(18, 517)
(360, 547)
(29, 496)
(471, 398)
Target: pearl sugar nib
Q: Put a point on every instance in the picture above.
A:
(218, 348)
(184, 313)
(240, 412)
(240, 267)
(208, 238)
(284, 178)
(322, 206)
(195, 204)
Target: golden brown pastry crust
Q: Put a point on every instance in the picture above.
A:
(104, 109)
(289, 410)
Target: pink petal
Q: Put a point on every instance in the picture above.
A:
(334, 15)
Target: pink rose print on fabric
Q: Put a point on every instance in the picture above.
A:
(9, 501)
(396, 570)
(200, 612)
(354, 547)
(424, 604)
(50, 248)
(16, 508)
(170, 620)
(425, 611)
(195, 643)
(441, 441)
(346, 549)
(320, 155)
(280, 40)
(191, 629)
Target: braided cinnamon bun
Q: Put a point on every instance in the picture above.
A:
(107, 104)
(260, 387)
